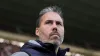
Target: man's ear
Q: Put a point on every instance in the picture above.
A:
(37, 31)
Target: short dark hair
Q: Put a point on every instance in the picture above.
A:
(48, 9)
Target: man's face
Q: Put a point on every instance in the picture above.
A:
(51, 28)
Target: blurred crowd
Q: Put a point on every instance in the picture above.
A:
(7, 47)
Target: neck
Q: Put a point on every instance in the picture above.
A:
(52, 47)
(56, 50)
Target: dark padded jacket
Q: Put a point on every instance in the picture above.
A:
(37, 48)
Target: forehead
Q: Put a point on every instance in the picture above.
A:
(51, 16)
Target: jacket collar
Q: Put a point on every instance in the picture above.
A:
(44, 47)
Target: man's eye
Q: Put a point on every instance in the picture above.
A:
(58, 23)
(48, 22)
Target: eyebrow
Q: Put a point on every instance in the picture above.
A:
(53, 20)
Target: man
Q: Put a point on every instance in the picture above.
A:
(50, 30)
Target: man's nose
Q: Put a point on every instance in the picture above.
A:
(54, 27)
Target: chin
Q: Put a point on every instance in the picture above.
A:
(56, 42)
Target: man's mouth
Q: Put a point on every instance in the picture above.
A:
(54, 34)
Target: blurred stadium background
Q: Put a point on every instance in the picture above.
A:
(82, 25)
